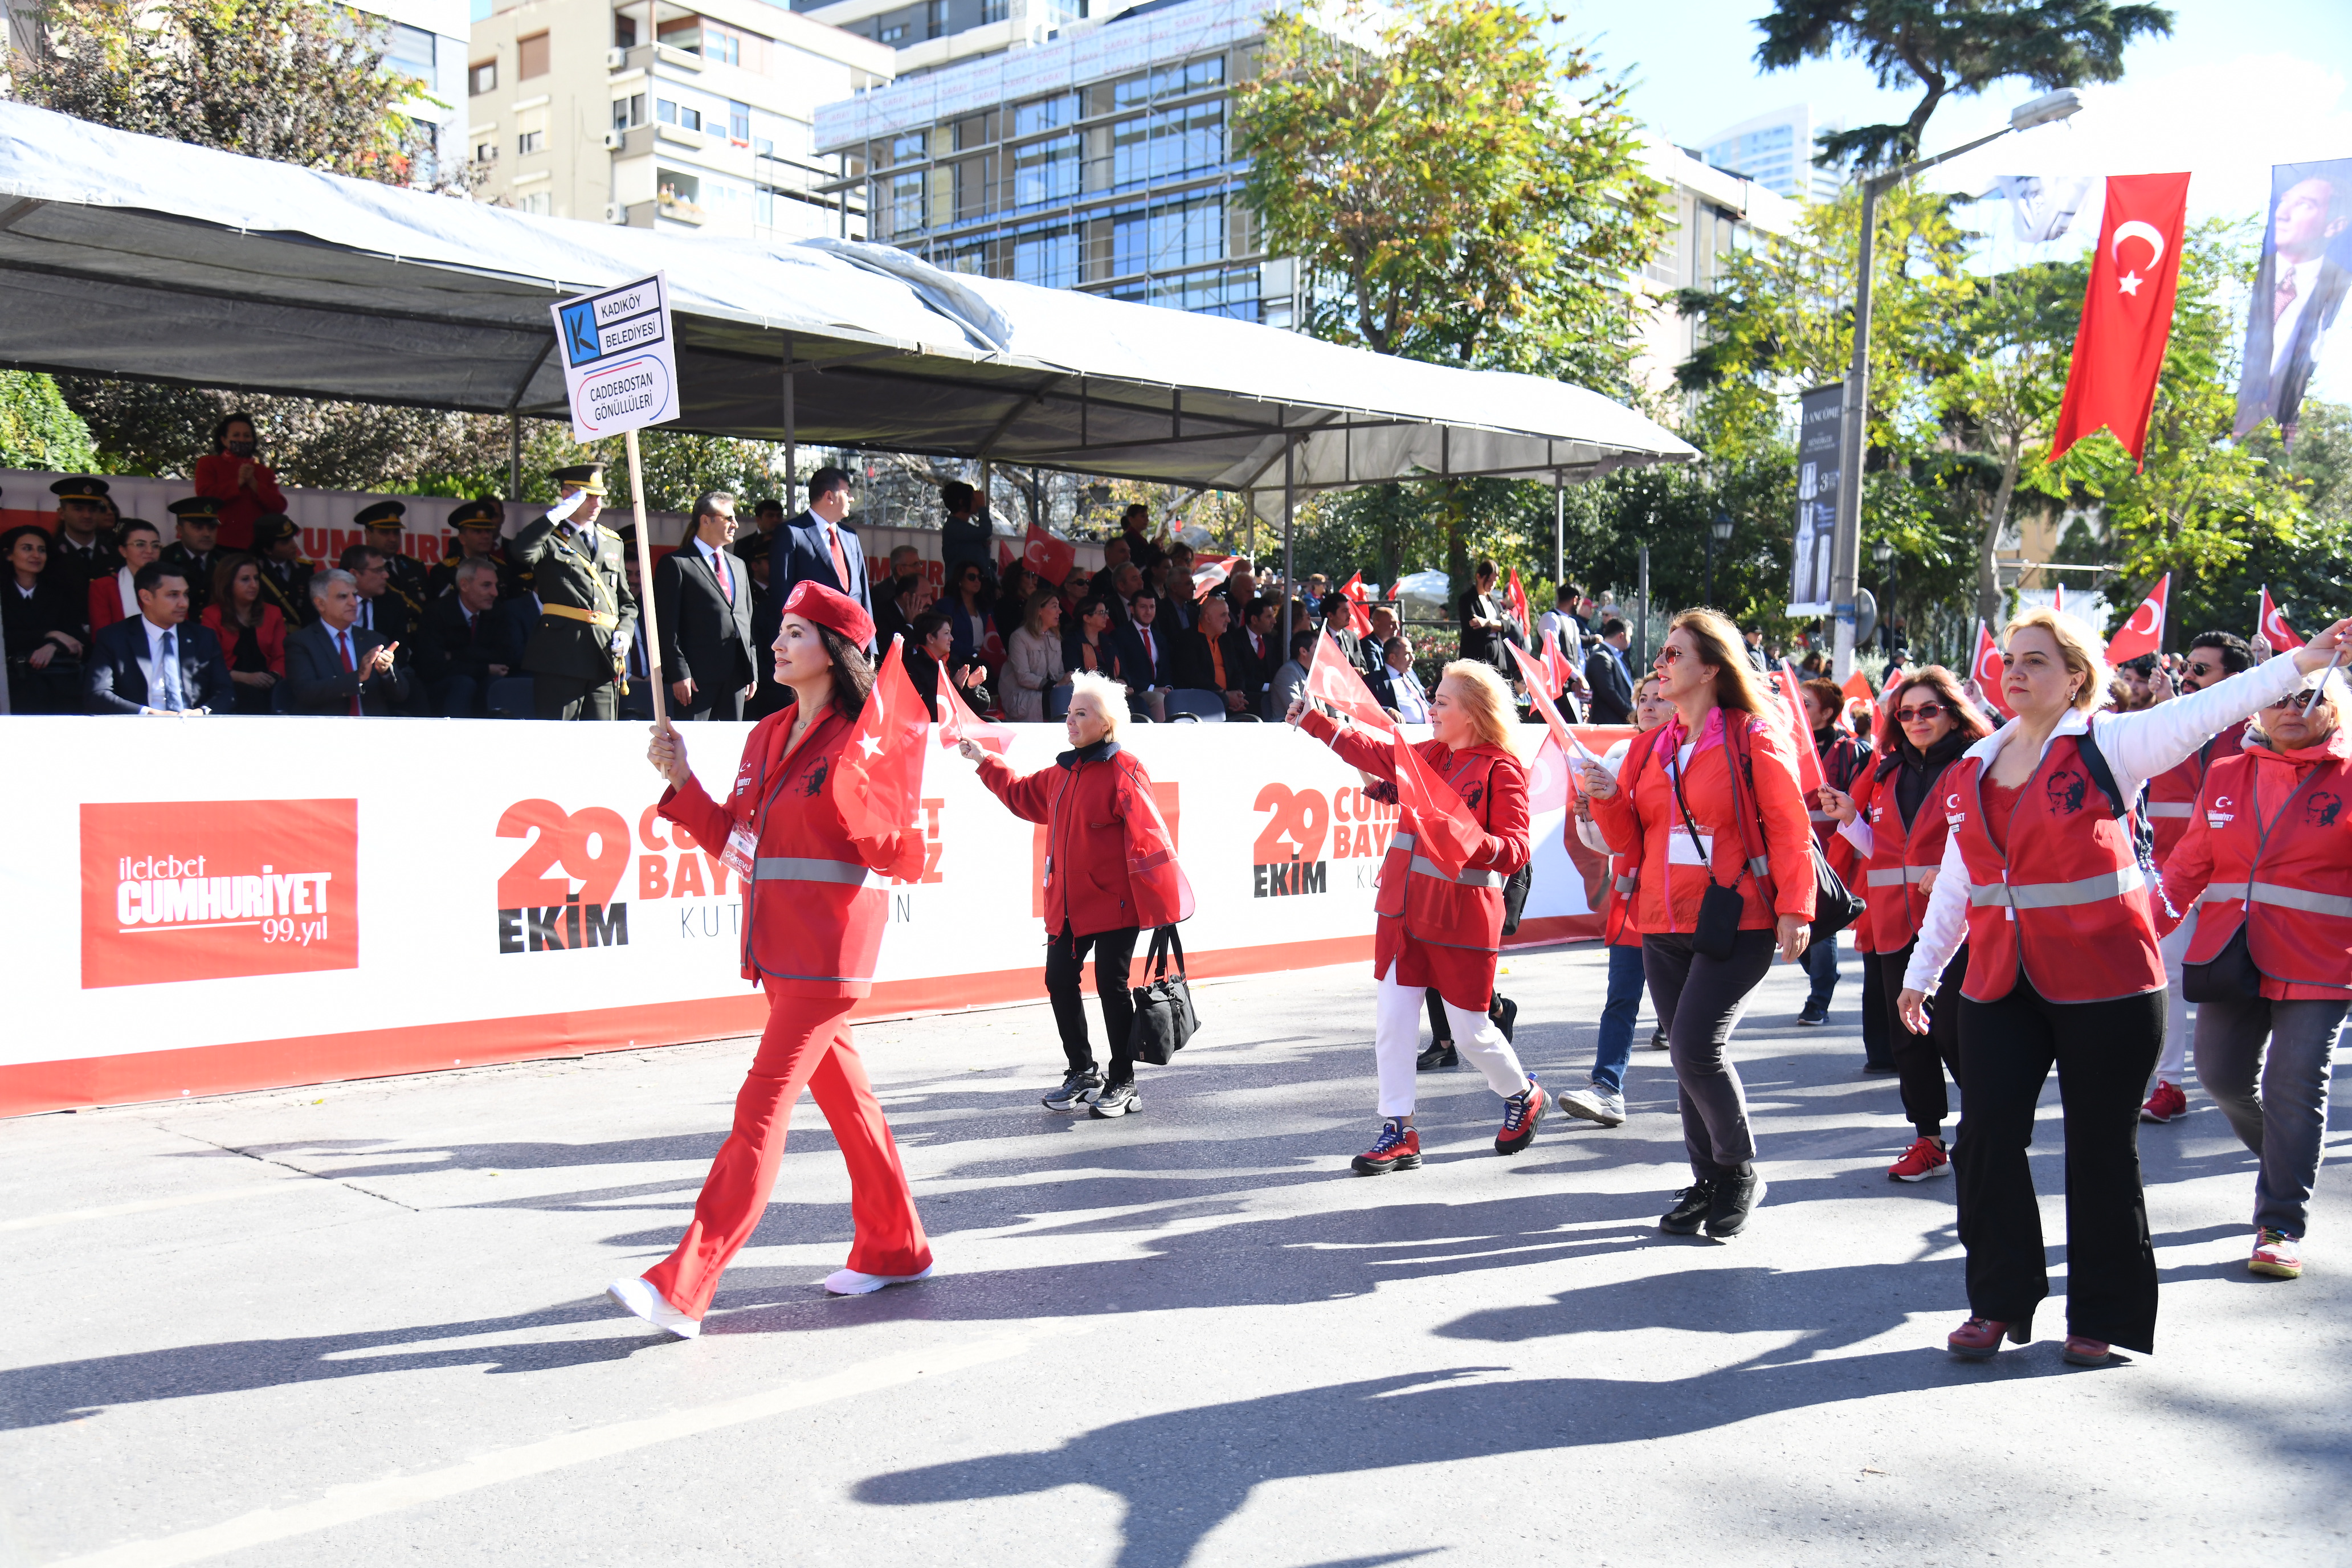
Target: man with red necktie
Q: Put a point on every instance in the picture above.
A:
(814, 547)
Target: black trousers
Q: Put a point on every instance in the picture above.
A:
(1877, 1010)
(568, 697)
(1066, 956)
(1920, 1060)
(2104, 1052)
(1699, 1000)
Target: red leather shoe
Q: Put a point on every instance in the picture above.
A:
(2081, 1351)
(1979, 1339)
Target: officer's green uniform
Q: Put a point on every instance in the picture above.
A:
(586, 609)
(485, 516)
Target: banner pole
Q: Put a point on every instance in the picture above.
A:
(645, 581)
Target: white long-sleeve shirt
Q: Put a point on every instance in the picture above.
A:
(2137, 746)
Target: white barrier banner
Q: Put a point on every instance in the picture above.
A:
(203, 905)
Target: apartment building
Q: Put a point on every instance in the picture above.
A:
(931, 34)
(1713, 217)
(655, 116)
(1100, 161)
(1776, 151)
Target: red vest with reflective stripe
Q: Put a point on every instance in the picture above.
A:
(1449, 912)
(2068, 903)
(1900, 860)
(2172, 793)
(2281, 870)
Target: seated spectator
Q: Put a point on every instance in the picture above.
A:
(1291, 678)
(1259, 632)
(1076, 589)
(896, 603)
(1396, 688)
(113, 598)
(45, 626)
(1033, 659)
(1088, 647)
(382, 611)
(1012, 599)
(477, 524)
(154, 662)
(931, 658)
(1216, 658)
(333, 667)
(1146, 659)
(286, 571)
(1371, 649)
(458, 651)
(195, 551)
(252, 633)
(1179, 605)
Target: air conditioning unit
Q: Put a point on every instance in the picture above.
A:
(616, 140)
(616, 212)
(616, 59)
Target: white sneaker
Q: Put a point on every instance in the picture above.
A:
(850, 1282)
(1594, 1104)
(646, 1302)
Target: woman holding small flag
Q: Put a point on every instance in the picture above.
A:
(812, 825)
(2043, 878)
(1714, 790)
(1461, 831)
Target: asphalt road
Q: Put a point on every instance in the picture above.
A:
(365, 1324)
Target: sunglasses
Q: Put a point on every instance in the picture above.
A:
(1670, 653)
(2291, 700)
(1924, 711)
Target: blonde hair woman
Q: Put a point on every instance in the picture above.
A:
(1438, 930)
(2042, 879)
(1033, 659)
(1695, 802)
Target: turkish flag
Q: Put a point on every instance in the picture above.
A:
(1448, 833)
(2126, 314)
(1555, 665)
(1515, 600)
(2272, 627)
(2058, 598)
(1986, 670)
(1047, 556)
(1210, 574)
(2144, 633)
(877, 780)
(1536, 678)
(1360, 619)
(1810, 773)
(1332, 680)
(1003, 555)
(959, 724)
(1857, 686)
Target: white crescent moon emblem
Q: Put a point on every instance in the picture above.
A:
(2134, 624)
(2136, 229)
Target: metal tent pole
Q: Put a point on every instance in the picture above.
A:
(1290, 561)
(791, 434)
(514, 454)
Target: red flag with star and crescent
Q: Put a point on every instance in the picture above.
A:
(2272, 627)
(2144, 632)
(1360, 619)
(1047, 556)
(1986, 669)
(877, 781)
(2126, 314)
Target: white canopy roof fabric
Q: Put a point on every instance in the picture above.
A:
(134, 257)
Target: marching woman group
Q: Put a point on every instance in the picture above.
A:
(2013, 913)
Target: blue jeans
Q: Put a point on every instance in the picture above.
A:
(1821, 963)
(1617, 1014)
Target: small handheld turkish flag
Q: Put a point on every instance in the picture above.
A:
(879, 778)
(1986, 670)
(1003, 555)
(1330, 678)
(2272, 627)
(1449, 835)
(959, 724)
(2126, 314)
(2144, 632)
(1810, 775)
(1360, 619)
(1049, 557)
(1515, 601)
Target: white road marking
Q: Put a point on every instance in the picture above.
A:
(366, 1499)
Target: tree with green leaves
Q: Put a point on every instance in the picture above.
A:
(38, 430)
(1948, 47)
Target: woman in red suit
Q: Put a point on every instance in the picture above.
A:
(1439, 932)
(252, 633)
(234, 476)
(111, 597)
(1687, 815)
(814, 913)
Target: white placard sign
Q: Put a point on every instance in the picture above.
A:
(620, 360)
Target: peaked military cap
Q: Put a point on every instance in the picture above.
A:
(487, 512)
(383, 514)
(589, 477)
(195, 508)
(81, 487)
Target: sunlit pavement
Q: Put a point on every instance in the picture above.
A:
(365, 1324)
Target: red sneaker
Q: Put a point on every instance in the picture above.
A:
(1979, 1339)
(1924, 1159)
(2166, 1103)
(1398, 1148)
(1521, 1111)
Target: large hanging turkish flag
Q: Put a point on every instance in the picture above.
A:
(2144, 632)
(2126, 312)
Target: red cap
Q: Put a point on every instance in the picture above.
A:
(813, 601)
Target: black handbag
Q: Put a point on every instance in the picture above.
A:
(1716, 931)
(1834, 905)
(2229, 976)
(1515, 896)
(1164, 1018)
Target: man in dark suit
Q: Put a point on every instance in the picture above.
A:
(767, 622)
(814, 545)
(1371, 649)
(587, 614)
(192, 552)
(382, 611)
(1148, 657)
(335, 666)
(154, 662)
(1216, 658)
(702, 596)
(1609, 676)
(458, 649)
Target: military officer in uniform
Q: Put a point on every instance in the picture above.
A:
(194, 553)
(285, 572)
(477, 524)
(587, 614)
(385, 530)
(81, 551)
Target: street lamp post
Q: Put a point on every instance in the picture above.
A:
(1846, 541)
(1718, 533)
(1884, 553)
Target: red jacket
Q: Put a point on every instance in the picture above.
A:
(2270, 848)
(814, 912)
(216, 477)
(105, 602)
(2172, 793)
(270, 631)
(1108, 862)
(2068, 906)
(1432, 928)
(1641, 816)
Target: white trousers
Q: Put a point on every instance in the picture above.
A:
(2172, 950)
(1396, 1041)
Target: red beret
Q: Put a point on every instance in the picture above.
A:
(813, 601)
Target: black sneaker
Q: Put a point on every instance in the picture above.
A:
(1115, 1099)
(1506, 1014)
(1735, 1198)
(1440, 1056)
(1658, 1041)
(1076, 1090)
(1690, 1210)
(1816, 1013)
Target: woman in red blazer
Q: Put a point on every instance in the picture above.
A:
(1110, 871)
(1689, 817)
(232, 475)
(110, 596)
(1436, 930)
(814, 912)
(252, 633)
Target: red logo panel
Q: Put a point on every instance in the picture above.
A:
(212, 889)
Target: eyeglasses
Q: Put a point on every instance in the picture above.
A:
(1924, 711)
(1670, 653)
(2291, 700)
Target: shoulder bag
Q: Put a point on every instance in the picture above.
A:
(1164, 1018)
(1720, 907)
(1834, 905)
